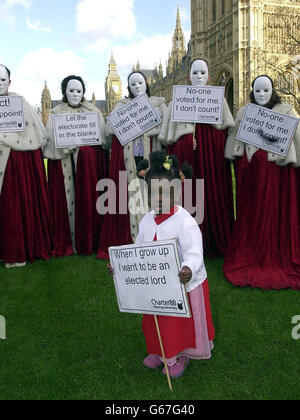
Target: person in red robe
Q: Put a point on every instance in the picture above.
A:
(121, 225)
(73, 175)
(26, 230)
(202, 146)
(183, 338)
(264, 251)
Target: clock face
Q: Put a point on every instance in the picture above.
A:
(115, 88)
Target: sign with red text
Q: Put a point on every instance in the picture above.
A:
(146, 279)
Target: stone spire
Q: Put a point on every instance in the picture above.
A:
(46, 104)
(160, 71)
(178, 37)
(178, 45)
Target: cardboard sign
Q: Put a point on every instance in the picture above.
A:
(134, 119)
(76, 130)
(146, 279)
(11, 114)
(198, 104)
(268, 130)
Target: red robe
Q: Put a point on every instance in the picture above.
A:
(92, 166)
(208, 163)
(25, 220)
(116, 227)
(63, 246)
(178, 334)
(264, 251)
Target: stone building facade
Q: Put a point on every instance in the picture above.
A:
(240, 39)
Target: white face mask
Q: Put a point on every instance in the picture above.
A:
(199, 73)
(137, 84)
(262, 90)
(4, 81)
(74, 92)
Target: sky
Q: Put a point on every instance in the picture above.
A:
(47, 40)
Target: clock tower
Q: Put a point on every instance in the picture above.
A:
(113, 85)
(46, 104)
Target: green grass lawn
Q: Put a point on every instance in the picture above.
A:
(66, 339)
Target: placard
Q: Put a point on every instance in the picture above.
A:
(11, 114)
(146, 279)
(76, 130)
(198, 104)
(134, 119)
(268, 130)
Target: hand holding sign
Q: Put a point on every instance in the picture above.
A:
(111, 271)
(185, 275)
(146, 279)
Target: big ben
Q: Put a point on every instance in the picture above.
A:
(113, 86)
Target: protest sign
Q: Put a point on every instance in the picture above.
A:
(198, 104)
(146, 279)
(11, 114)
(268, 130)
(134, 119)
(75, 130)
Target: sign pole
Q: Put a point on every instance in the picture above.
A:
(194, 137)
(163, 353)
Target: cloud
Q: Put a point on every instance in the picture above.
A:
(7, 15)
(185, 15)
(11, 3)
(8, 19)
(149, 51)
(37, 26)
(44, 65)
(103, 20)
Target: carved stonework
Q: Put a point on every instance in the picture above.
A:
(243, 35)
(238, 37)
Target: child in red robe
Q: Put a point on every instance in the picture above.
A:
(183, 338)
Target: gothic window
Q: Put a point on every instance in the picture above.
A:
(223, 79)
(286, 83)
(214, 11)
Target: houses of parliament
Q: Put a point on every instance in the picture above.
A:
(240, 39)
